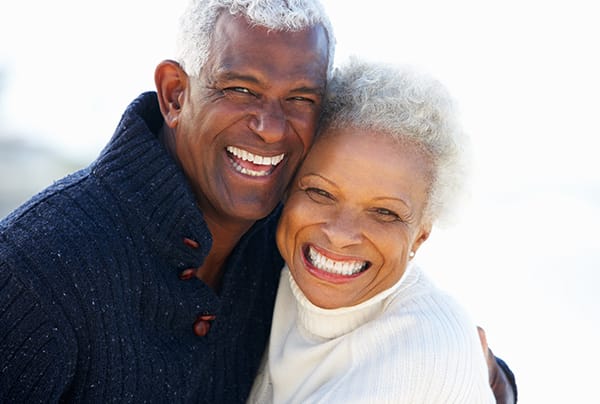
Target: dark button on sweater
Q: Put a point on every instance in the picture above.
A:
(191, 243)
(187, 274)
(202, 324)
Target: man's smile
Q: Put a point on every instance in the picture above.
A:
(252, 164)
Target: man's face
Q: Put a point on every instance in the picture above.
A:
(249, 119)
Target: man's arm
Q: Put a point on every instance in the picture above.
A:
(502, 379)
(35, 361)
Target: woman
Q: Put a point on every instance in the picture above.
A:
(355, 320)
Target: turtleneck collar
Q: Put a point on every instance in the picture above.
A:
(327, 324)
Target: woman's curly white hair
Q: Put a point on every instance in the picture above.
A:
(197, 24)
(409, 106)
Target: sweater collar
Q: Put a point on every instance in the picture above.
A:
(136, 168)
(332, 323)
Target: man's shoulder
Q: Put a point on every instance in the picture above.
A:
(50, 206)
(66, 213)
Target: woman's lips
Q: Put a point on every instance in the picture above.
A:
(334, 269)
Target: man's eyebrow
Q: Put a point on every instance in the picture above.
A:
(317, 89)
(229, 75)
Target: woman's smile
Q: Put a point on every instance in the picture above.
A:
(324, 265)
(351, 220)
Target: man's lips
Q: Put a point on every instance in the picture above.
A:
(251, 164)
(323, 265)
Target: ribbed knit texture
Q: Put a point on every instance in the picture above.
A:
(92, 308)
(410, 344)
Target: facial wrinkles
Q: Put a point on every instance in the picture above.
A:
(307, 47)
(235, 174)
(271, 99)
(382, 176)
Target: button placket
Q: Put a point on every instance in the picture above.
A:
(189, 273)
(203, 321)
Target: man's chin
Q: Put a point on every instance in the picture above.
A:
(258, 213)
(254, 205)
(251, 212)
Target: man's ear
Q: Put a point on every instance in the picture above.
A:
(171, 81)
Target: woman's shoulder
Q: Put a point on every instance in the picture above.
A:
(421, 299)
(425, 346)
(423, 317)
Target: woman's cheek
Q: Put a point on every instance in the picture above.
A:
(281, 238)
(285, 234)
(296, 215)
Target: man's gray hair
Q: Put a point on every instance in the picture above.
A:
(197, 24)
(412, 107)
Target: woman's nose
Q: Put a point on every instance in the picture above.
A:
(343, 229)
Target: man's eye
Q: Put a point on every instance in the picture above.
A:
(240, 90)
(319, 195)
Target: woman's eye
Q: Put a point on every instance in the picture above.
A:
(303, 99)
(319, 195)
(386, 215)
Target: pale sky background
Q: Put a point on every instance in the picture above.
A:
(524, 258)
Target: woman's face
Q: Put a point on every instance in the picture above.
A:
(353, 215)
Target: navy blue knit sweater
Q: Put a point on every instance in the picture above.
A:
(92, 308)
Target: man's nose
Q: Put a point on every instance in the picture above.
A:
(269, 122)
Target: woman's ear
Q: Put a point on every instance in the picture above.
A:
(423, 235)
(171, 81)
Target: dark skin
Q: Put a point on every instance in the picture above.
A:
(498, 381)
(256, 94)
(175, 81)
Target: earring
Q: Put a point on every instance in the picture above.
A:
(411, 254)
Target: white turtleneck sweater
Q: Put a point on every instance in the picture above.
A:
(409, 344)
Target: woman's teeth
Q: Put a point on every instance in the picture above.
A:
(345, 268)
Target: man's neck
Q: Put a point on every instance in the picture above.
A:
(225, 231)
(225, 237)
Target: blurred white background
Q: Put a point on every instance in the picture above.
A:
(524, 258)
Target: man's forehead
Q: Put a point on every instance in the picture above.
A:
(257, 53)
(235, 29)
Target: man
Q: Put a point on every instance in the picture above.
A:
(151, 274)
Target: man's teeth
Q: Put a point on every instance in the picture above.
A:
(249, 171)
(254, 158)
(323, 263)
